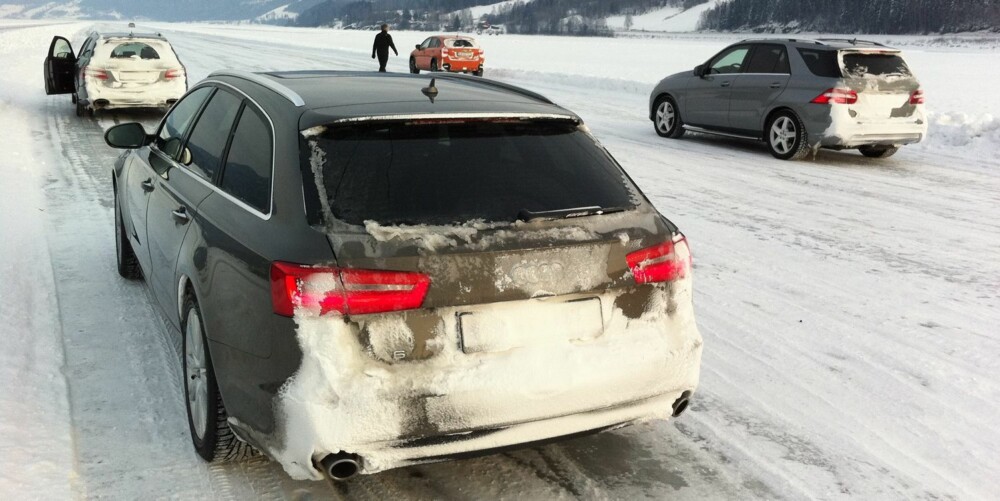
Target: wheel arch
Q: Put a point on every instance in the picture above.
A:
(660, 96)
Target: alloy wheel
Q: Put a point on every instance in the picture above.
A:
(665, 116)
(196, 373)
(783, 135)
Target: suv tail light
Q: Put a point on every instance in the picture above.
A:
(97, 73)
(344, 290)
(917, 97)
(661, 263)
(836, 96)
(172, 74)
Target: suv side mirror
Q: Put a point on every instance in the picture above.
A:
(126, 136)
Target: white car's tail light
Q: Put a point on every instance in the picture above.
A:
(836, 96)
(661, 263)
(345, 290)
(917, 97)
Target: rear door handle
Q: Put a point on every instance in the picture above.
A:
(147, 185)
(180, 215)
(776, 85)
(726, 83)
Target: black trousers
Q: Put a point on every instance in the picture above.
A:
(383, 59)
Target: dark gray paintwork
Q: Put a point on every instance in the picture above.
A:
(223, 253)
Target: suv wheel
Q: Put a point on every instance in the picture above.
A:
(128, 264)
(878, 151)
(786, 136)
(413, 67)
(667, 118)
(207, 418)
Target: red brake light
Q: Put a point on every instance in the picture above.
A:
(172, 74)
(917, 97)
(661, 263)
(836, 96)
(344, 290)
(95, 73)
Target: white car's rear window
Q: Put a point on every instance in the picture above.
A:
(153, 51)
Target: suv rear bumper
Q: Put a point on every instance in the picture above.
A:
(842, 131)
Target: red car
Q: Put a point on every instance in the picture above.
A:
(459, 54)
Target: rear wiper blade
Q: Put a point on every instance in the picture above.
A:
(527, 215)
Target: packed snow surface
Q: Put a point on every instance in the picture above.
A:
(849, 306)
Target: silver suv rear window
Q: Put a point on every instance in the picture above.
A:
(453, 172)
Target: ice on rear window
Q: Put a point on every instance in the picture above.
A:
(447, 173)
(134, 49)
(861, 65)
(149, 50)
(460, 43)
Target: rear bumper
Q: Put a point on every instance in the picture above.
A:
(840, 130)
(459, 66)
(149, 96)
(458, 404)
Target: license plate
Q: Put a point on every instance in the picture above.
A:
(530, 323)
(138, 76)
(465, 54)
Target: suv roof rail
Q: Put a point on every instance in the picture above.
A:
(852, 41)
(796, 40)
(500, 85)
(260, 79)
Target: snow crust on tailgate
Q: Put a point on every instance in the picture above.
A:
(344, 399)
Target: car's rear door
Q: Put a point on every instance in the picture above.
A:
(60, 67)
(154, 162)
(706, 102)
(764, 79)
(173, 205)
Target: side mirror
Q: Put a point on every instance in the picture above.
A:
(699, 71)
(126, 136)
(418, 46)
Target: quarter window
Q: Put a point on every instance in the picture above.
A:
(247, 175)
(171, 134)
(730, 61)
(209, 136)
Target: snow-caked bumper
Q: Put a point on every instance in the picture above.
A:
(850, 126)
(160, 95)
(349, 395)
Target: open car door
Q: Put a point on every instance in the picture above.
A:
(60, 67)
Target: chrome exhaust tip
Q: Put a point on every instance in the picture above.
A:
(341, 466)
(681, 404)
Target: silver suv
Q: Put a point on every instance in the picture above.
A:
(797, 96)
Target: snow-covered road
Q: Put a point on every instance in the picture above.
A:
(849, 306)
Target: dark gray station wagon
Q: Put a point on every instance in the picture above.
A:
(371, 271)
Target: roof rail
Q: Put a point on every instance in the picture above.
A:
(797, 40)
(852, 41)
(257, 78)
(484, 81)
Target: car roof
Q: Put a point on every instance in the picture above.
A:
(824, 43)
(331, 96)
(155, 36)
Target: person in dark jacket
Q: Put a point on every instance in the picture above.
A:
(383, 42)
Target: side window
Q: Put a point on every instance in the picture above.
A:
(208, 138)
(247, 175)
(175, 125)
(822, 63)
(426, 44)
(768, 58)
(435, 43)
(730, 61)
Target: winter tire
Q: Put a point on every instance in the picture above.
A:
(213, 439)
(786, 136)
(413, 67)
(128, 264)
(479, 72)
(667, 118)
(878, 151)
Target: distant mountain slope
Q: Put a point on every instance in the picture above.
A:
(161, 10)
(672, 18)
(854, 16)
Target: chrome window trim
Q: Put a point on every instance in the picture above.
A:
(454, 116)
(284, 91)
(218, 189)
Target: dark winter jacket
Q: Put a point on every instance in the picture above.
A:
(383, 41)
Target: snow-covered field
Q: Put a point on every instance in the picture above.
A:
(849, 306)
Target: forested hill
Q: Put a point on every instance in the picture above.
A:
(854, 16)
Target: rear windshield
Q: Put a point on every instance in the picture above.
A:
(445, 173)
(134, 49)
(822, 63)
(152, 51)
(460, 43)
(860, 64)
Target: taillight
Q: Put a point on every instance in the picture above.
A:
(172, 74)
(444, 52)
(97, 73)
(836, 96)
(661, 263)
(344, 290)
(917, 97)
